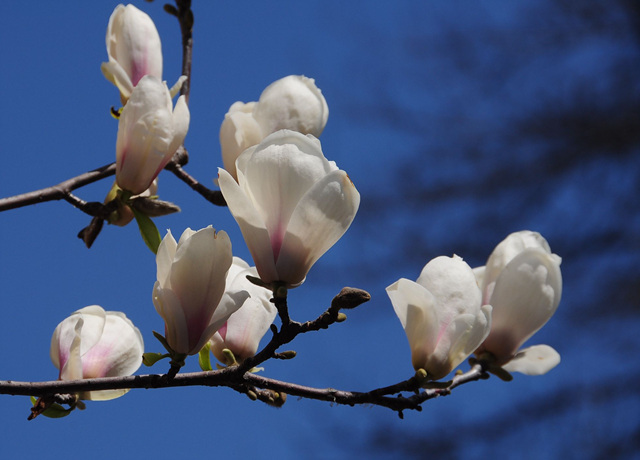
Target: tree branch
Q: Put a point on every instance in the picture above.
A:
(62, 191)
(250, 384)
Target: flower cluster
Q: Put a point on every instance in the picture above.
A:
(150, 130)
(292, 205)
(453, 311)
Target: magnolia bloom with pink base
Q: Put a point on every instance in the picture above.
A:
(245, 328)
(189, 292)
(134, 50)
(150, 131)
(291, 204)
(441, 314)
(93, 343)
(293, 102)
(523, 283)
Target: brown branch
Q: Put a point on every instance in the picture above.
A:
(212, 196)
(62, 191)
(251, 384)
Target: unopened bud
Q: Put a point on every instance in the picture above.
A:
(153, 207)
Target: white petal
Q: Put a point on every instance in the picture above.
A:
(526, 295)
(416, 309)
(169, 308)
(164, 259)
(238, 131)
(453, 284)
(229, 304)
(282, 168)
(319, 220)
(535, 360)
(508, 248)
(198, 276)
(251, 224)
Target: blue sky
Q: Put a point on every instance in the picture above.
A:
(458, 123)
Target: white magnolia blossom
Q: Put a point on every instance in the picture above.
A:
(92, 343)
(150, 131)
(245, 328)
(291, 204)
(523, 283)
(134, 50)
(293, 103)
(189, 292)
(442, 315)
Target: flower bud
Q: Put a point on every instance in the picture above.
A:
(134, 49)
(189, 292)
(245, 328)
(523, 283)
(441, 314)
(294, 103)
(92, 343)
(149, 133)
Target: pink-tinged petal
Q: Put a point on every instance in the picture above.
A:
(92, 343)
(462, 336)
(65, 334)
(133, 43)
(198, 278)
(251, 224)
(245, 328)
(72, 367)
(535, 360)
(118, 352)
(319, 220)
(149, 133)
(282, 169)
(229, 304)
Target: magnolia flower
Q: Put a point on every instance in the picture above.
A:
(441, 314)
(188, 293)
(293, 102)
(134, 49)
(523, 283)
(92, 343)
(291, 204)
(243, 330)
(149, 133)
